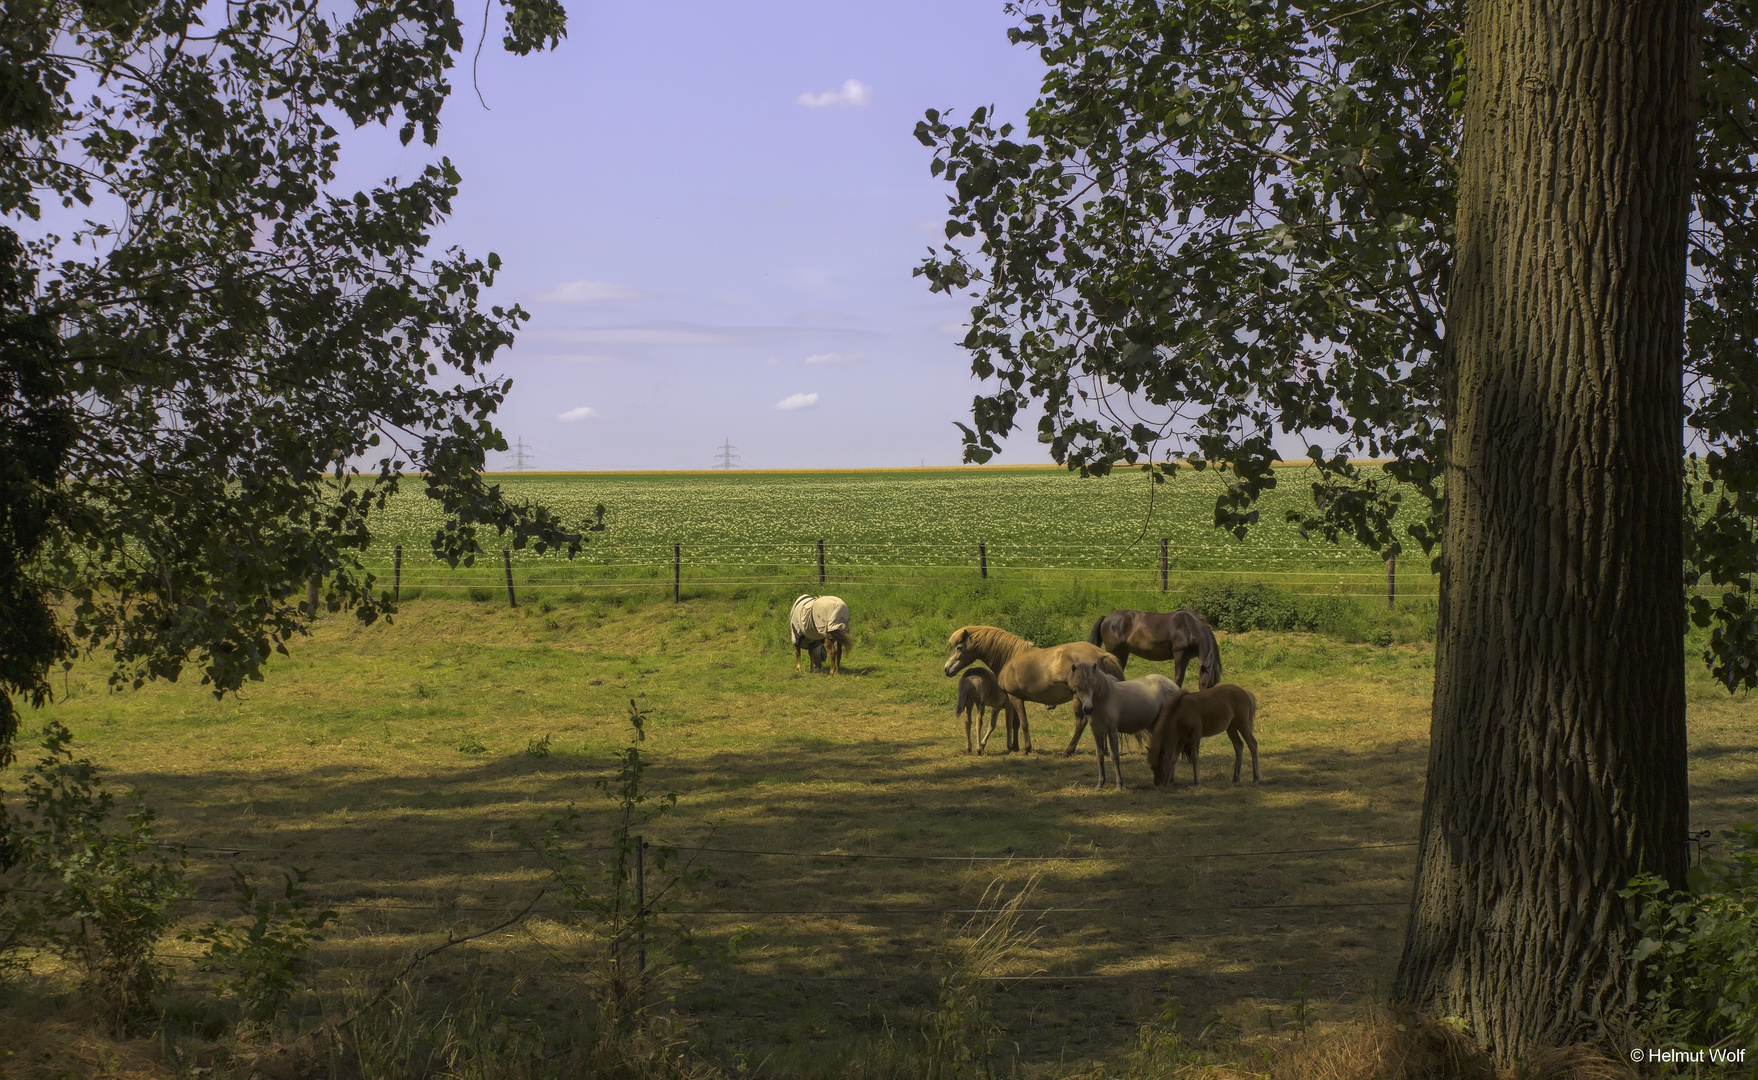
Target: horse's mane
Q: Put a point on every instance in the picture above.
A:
(995, 645)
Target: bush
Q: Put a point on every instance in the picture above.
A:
(97, 898)
(266, 961)
(1236, 606)
(1697, 949)
(482, 594)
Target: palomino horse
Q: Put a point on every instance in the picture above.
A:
(1024, 671)
(817, 619)
(1177, 635)
(1188, 720)
(978, 691)
(1115, 706)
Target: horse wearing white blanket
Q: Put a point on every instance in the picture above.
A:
(820, 618)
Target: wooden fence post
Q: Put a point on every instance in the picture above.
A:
(820, 560)
(1392, 581)
(1162, 564)
(677, 573)
(507, 561)
(641, 914)
(983, 559)
(397, 575)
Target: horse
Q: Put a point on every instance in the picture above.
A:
(1024, 671)
(978, 690)
(1115, 707)
(820, 619)
(1177, 635)
(1193, 717)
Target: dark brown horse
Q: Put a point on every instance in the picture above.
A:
(1178, 635)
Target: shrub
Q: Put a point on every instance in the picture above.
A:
(1697, 948)
(98, 898)
(265, 961)
(481, 594)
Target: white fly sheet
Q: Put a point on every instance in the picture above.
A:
(816, 617)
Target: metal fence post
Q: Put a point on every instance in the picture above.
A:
(983, 559)
(820, 560)
(397, 575)
(677, 573)
(1392, 581)
(507, 561)
(1162, 564)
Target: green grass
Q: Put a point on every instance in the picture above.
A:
(415, 738)
(917, 527)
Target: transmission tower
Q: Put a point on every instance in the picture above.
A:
(522, 456)
(727, 457)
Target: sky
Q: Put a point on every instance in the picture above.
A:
(712, 212)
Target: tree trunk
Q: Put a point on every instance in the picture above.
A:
(1557, 763)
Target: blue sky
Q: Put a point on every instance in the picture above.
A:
(712, 211)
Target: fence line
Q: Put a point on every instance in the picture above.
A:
(1087, 857)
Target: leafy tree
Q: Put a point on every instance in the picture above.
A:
(1490, 248)
(201, 337)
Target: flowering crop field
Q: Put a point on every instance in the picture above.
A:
(903, 526)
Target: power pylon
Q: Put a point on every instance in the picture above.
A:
(727, 457)
(521, 456)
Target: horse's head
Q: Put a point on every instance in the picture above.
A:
(1087, 682)
(962, 654)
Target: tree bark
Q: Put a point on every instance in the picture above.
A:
(1557, 762)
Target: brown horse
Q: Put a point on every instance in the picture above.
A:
(1178, 635)
(1186, 721)
(1024, 671)
(977, 691)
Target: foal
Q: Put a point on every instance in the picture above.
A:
(977, 691)
(1188, 720)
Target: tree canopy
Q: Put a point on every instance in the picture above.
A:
(202, 338)
(1232, 218)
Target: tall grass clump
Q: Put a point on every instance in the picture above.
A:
(961, 1036)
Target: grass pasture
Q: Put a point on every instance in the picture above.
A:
(394, 762)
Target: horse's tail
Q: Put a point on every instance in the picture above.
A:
(1111, 666)
(1097, 637)
(842, 638)
(1209, 653)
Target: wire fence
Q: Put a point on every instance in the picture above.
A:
(818, 563)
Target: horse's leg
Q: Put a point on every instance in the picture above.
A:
(1080, 725)
(1195, 744)
(1238, 752)
(1183, 661)
(1100, 743)
(968, 748)
(796, 658)
(1116, 741)
(1025, 726)
(1251, 741)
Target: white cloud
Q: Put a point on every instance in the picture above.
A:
(851, 92)
(584, 412)
(572, 358)
(773, 361)
(797, 401)
(587, 292)
(834, 357)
